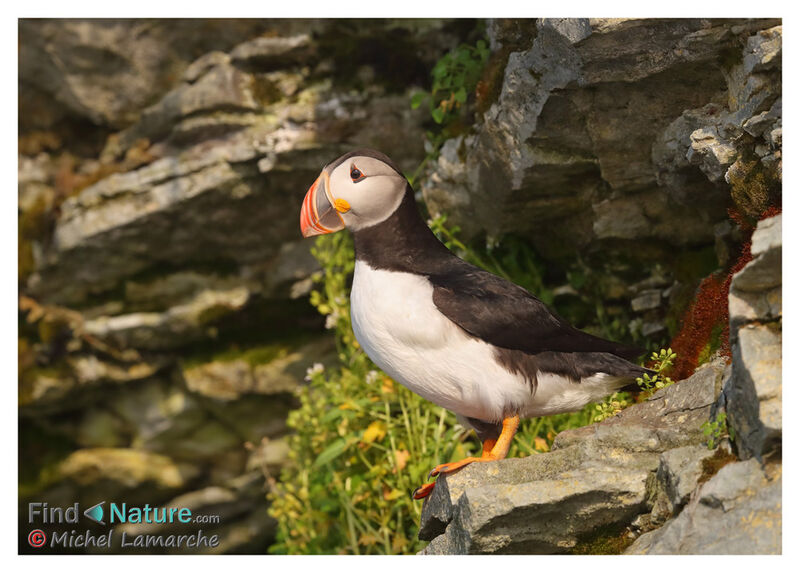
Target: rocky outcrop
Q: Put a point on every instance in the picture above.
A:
(595, 482)
(621, 140)
(737, 511)
(753, 397)
(76, 67)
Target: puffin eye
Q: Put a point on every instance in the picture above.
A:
(355, 174)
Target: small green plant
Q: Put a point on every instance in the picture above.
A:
(611, 406)
(663, 361)
(717, 429)
(454, 78)
(618, 401)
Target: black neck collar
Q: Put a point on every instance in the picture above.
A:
(403, 242)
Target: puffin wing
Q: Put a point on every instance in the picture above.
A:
(506, 315)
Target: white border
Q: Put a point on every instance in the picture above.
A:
(362, 9)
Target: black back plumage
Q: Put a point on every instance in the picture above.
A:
(508, 316)
(527, 334)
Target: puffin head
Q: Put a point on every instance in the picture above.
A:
(359, 189)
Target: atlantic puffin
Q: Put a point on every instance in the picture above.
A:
(461, 337)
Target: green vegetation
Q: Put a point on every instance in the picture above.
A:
(717, 429)
(252, 355)
(454, 79)
(612, 406)
(454, 76)
(663, 361)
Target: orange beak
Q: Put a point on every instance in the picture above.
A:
(318, 215)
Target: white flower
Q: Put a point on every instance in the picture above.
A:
(315, 369)
(372, 376)
(331, 319)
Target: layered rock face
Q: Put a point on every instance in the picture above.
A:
(212, 173)
(621, 140)
(165, 321)
(615, 147)
(754, 395)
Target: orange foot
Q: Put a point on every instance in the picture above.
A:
(423, 491)
(492, 450)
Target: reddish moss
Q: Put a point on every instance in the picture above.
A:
(707, 312)
(771, 212)
(705, 327)
(741, 220)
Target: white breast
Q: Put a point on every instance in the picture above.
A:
(401, 330)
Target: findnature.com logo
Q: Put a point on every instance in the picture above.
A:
(41, 514)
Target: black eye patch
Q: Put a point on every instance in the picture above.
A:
(355, 174)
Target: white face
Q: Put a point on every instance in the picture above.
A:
(372, 189)
(356, 192)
